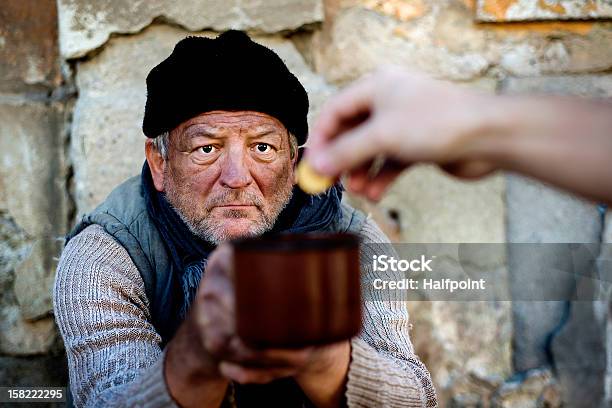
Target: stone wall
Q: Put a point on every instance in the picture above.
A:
(35, 204)
(72, 96)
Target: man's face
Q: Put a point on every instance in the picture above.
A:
(229, 174)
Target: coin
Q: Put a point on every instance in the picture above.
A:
(310, 181)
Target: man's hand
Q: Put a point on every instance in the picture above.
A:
(209, 347)
(319, 371)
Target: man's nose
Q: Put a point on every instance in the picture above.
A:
(235, 172)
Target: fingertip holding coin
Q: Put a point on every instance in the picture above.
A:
(310, 181)
(229, 370)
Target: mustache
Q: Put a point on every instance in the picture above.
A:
(232, 196)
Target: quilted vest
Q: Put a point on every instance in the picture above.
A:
(124, 216)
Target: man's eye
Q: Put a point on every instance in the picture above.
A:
(208, 149)
(263, 147)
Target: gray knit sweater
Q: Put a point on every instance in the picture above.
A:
(113, 351)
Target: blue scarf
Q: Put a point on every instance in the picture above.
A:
(189, 254)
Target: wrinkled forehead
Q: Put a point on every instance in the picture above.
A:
(222, 122)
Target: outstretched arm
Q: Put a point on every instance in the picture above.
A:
(409, 118)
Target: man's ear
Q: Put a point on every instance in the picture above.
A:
(294, 163)
(157, 164)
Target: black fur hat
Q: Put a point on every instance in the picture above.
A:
(230, 72)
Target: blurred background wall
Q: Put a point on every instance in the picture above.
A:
(72, 96)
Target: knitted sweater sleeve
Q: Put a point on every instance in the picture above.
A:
(384, 370)
(102, 312)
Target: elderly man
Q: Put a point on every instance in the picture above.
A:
(143, 297)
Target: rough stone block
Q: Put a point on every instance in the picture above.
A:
(553, 51)
(14, 248)
(465, 345)
(433, 207)
(442, 39)
(400, 9)
(521, 10)
(359, 40)
(589, 53)
(538, 388)
(19, 337)
(33, 174)
(546, 331)
(86, 25)
(604, 314)
(537, 213)
(48, 371)
(597, 86)
(579, 350)
(540, 213)
(28, 45)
